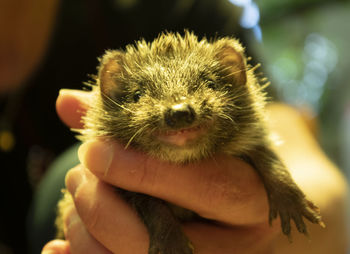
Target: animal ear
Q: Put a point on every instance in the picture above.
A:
(231, 55)
(110, 68)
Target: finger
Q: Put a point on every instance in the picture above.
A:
(79, 239)
(56, 247)
(117, 227)
(107, 217)
(71, 105)
(222, 188)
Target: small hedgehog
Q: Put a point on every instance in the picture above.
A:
(181, 99)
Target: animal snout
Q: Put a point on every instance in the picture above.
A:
(179, 115)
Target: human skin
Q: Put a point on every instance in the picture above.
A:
(231, 195)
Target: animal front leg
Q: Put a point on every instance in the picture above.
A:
(285, 197)
(165, 233)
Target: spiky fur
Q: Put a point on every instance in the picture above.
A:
(173, 66)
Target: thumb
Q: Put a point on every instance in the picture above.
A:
(71, 105)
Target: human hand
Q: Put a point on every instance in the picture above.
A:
(223, 189)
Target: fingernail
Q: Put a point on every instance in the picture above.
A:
(96, 155)
(84, 95)
(65, 91)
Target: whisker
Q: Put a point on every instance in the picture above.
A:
(244, 69)
(135, 134)
(114, 102)
(238, 71)
(235, 72)
(229, 100)
(223, 115)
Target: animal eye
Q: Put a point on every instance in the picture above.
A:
(137, 96)
(211, 84)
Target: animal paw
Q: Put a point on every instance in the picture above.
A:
(171, 245)
(295, 209)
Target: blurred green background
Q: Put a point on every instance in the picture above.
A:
(305, 49)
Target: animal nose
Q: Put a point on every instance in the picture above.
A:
(179, 115)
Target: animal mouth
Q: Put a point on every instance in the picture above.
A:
(182, 136)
